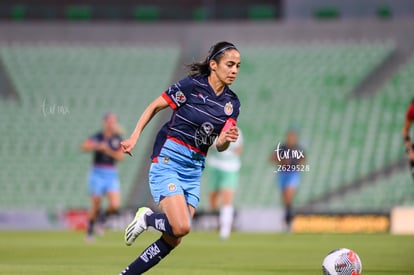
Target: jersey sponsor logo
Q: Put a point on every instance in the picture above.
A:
(206, 128)
(204, 98)
(228, 108)
(204, 134)
(172, 187)
(180, 97)
(150, 253)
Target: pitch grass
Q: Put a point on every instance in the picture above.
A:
(201, 253)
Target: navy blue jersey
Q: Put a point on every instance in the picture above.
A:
(198, 114)
(101, 159)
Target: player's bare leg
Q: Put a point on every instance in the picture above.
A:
(214, 200)
(178, 213)
(92, 215)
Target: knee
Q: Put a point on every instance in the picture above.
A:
(181, 229)
(173, 242)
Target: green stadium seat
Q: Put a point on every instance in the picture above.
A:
(200, 14)
(261, 12)
(78, 12)
(18, 12)
(147, 13)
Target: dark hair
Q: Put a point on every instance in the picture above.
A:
(215, 53)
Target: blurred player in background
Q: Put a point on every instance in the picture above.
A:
(409, 147)
(103, 176)
(205, 111)
(223, 174)
(289, 159)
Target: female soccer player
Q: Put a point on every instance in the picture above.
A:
(223, 169)
(103, 176)
(204, 110)
(288, 157)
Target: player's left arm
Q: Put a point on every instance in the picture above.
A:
(225, 137)
(229, 132)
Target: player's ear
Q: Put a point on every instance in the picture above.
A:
(213, 65)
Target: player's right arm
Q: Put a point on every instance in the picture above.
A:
(88, 145)
(273, 158)
(154, 107)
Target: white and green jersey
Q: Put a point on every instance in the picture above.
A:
(228, 160)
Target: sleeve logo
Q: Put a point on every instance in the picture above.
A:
(180, 97)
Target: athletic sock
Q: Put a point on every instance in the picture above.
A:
(91, 224)
(151, 256)
(288, 215)
(226, 221)
(412, 168)
(160, 222)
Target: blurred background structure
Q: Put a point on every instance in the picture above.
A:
(340, 71)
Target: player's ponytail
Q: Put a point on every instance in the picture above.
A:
(215, 53)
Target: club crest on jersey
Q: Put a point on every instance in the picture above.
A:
(115, 143)
(180, 97)
(172, 187)
(228, 108)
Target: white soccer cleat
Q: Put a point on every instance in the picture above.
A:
(137, 226)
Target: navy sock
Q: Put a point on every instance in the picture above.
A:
(91, 224)
(288, 215)
(412, 168)
(151, 256)
(160, 222)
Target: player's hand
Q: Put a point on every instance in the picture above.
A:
(128, 145)
(231, 135)
(101, 147)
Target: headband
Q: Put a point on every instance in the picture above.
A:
(220, 51)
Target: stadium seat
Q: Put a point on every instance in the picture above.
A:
(147, 13)
(261, 12)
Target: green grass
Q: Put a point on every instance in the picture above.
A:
(201, 253)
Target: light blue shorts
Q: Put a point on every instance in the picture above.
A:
(103, 180)
(176, 174)
(288, 180)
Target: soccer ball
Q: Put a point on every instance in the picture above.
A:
(342, 261)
